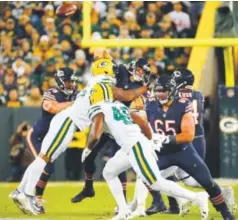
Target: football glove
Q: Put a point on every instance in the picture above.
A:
(85, 154)
(160, 138)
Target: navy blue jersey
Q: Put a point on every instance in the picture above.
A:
(124, 81)
(197, 100)
(41, 126)
(169, 122)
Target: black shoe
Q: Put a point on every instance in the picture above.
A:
(85, 193)
(155, 208)
(172, 210)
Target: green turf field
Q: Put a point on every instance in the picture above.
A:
(58, 204)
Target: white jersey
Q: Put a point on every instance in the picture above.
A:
(96, 91)
(118, 123)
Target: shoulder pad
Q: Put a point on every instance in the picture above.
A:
(50, 94)
(101, 93)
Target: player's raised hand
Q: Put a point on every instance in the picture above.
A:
(85, 154)
(101, 53)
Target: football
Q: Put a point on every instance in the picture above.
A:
(66, 9)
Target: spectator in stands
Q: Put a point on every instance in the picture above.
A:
(137, 53)
(165, 29)
(7, 54)
(22, 21)
(162, 61)
(11, 28)
(50, 27)
(9, 81)
(35, 38)
(44, 50)
(50, 69)
(180, 18)
(13, 100)
(27, 52)
(67, 51)
(150, 22)
(19, 155)
(131, 23)
(19, 67)
(81, 64)
(23, 84)
(2, 95)
(35, 98)
(67, 31)
(28, 30)
(7, 13)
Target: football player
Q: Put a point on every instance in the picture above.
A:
(185, 79)
(54, 101)
(131, 76)
(171, 119)
(135, 152)
(65, 123)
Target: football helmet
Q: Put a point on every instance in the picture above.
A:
(65, 80)
(183, 77)
(165, 89)
(140, 69)
(104, 67)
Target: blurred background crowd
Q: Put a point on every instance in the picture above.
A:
(34, 42)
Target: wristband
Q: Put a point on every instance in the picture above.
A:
(172, 139)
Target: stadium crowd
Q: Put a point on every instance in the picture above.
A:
(34, 42)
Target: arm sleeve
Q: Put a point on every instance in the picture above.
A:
(94, 110)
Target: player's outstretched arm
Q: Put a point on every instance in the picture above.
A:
(94, 135)
(128, 95)
(143, 124)
(187, 129)
(95, 131)
(55, 107)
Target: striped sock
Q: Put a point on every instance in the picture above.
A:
(40, 187)
(89, 180)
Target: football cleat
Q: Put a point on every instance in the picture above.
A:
(40, 202)
(123, 215)
(184, 206)
(202, 203)
(229, 198)
(172, 210)
(14, 196)
(30, 204)
(85, 193)
(155, 208)
(139, 212)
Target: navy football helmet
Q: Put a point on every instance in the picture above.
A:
(66, 80)
(183, 77)
(165, 89)
(140, 69)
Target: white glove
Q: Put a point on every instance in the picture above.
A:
(163, 139)
(85, 154)
(152, 148)
(156, 145)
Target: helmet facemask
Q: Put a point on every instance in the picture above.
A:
(165, 92)
(67, 86)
